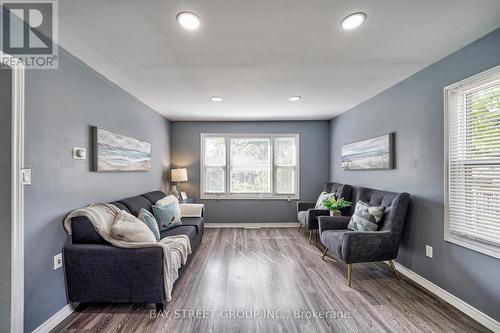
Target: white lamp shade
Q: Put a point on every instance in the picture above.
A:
(179, 175)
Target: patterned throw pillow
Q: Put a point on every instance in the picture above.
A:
(129, 228)
(168, 200)
(167, 216)
(321, 199)
(366, 217)
(148, 218)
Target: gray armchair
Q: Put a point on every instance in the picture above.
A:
(365, 246)
(308, 215)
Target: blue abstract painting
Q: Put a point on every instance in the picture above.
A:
(376, 153)
(116, 152)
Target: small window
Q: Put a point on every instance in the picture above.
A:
(250, 166)
(472, 209)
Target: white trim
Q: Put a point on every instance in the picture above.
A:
(472, 82)
(449, 298)
(56, 319)
(17, 194)
(253, 225)
(227, 168)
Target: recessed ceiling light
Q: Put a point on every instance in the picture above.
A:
(216, 99)
(353, 21)
(188, 21)
(295, 98)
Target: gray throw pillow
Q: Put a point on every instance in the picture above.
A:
(366, 217)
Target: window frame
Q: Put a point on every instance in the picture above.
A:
(227, 195)
(450, 96)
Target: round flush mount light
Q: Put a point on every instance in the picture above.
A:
(216, 99)
(294, 98)
(188, 21)
(353, 21)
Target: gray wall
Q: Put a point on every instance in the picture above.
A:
(314, 164)
(413, 109)
(5, 199)
(60, 106)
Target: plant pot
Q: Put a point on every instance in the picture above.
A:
(334, 213)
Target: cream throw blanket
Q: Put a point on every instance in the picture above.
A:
(175, 248)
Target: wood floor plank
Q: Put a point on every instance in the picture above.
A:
(272, 280)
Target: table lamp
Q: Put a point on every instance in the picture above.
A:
(177, 175)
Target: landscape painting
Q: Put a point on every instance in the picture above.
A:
(370, 154)
(116, 152)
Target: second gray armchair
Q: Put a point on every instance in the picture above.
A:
(308, 215)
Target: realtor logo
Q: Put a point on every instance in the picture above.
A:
(29, 32)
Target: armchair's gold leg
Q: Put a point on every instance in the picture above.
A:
(316, 233)
(300, 226)
(349, 274)
(310, 236)
(324, 253)
(394, 269)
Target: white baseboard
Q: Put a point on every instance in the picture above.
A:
(449, 298)
(253, 225)
(56, 319)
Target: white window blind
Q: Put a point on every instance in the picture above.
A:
(473, 163)
(249, 166)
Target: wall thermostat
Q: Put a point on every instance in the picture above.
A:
(79, 153)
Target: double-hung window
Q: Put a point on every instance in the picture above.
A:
(472, 209)
(249, 166)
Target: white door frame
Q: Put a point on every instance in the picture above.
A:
(17, 193)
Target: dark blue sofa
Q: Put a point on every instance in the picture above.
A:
(98, 272)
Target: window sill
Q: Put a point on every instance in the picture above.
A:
(477, 246)
(215, 197)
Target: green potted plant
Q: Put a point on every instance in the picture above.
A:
(334, 205)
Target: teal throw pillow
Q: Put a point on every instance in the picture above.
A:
(167, 216)
(148, 218)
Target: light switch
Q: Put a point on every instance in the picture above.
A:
(26, 176)
(428, 251)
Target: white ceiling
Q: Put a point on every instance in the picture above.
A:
(257, 53)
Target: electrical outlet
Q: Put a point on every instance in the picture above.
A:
(428, 251)
(57, 261)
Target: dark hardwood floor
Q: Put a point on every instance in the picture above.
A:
(257, 274)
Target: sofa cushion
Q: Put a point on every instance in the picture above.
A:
(154, 196)
(187, 230)
(197, 222)
(120, 206)
(83, 232)
(134, 204)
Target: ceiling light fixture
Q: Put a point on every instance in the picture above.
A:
(353, 21)
(216, 99)
(188, 21)
(295, 98)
